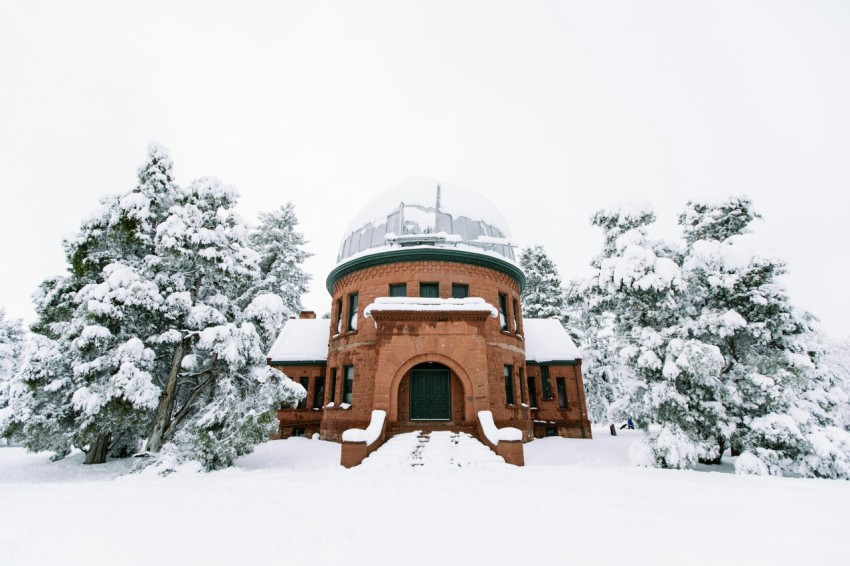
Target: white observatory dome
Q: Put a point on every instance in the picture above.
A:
(422, 212)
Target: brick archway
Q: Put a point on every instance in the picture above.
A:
(456, 369)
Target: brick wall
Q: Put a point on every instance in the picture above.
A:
(473, 346)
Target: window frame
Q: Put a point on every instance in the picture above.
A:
(431, 286)
(318, 392)
(545, 383)
(563, 401)
(305, 383)
(353, 307)
(503, 312)
(333, 387)
(339, 316)
(510, 396)
(348, 385)
(460, 286)
(516, 316)
(523, 396)
(532, 388)
(395, 287)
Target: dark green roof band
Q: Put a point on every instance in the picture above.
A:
(425, 254)
(552, 363)
(305, 363)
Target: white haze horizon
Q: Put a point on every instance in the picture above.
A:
(549, 110)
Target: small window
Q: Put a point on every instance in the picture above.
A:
(460, 291)
(544, 382)
(563, 400)
(521, 387)
(551, 431)
(516, 316)
(352, 312)
(297, 431)
(509, 385)
(398, 290)
(429, 290)
(319, 392)
(532, 391)
(339, 316)
(305, 383)
(348, 385)
(503, 311)
(332, 397)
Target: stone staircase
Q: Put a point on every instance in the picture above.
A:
(426, 427)
(433, 450)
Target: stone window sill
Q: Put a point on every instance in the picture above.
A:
(345, 334)
(511, 334)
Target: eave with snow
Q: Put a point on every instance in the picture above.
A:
(303, 341)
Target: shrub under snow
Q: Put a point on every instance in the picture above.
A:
(749, 464)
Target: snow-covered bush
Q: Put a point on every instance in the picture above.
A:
(749, 464)
(673, 448)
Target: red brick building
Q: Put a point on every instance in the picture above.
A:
(426, 324)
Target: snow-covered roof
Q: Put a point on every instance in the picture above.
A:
(425, 211)
(302, 340)
(306, 340)
(547, 341)
(423, 304)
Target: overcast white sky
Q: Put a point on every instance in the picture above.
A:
(550, 109)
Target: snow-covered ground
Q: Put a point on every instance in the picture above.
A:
(575, 502)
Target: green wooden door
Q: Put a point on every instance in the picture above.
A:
(430, 395)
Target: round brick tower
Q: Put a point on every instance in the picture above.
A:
(426, 321)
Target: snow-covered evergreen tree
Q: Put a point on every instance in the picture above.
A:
(836, 358)
(543, 296)
(710, 346)
(218, 393)
(664, 378)
(94, 322)
(146, 338)
(779, 397)
(11, 346)
(281, 251)
(600, 369)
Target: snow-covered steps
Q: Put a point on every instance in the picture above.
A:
(440, 449)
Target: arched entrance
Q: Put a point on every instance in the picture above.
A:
(430, 393)
(462, 405)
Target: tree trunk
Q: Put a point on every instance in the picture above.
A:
(164, 410)
(98, 449)
(737, 447)
(613, 429)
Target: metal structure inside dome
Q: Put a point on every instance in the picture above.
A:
(418, 213)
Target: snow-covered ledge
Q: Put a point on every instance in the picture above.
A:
(358, 443)
(506, 442)
(426, 304)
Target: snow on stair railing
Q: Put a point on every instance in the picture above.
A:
(493, 434)
(372, 432)
(506, 442)
(358, 443)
